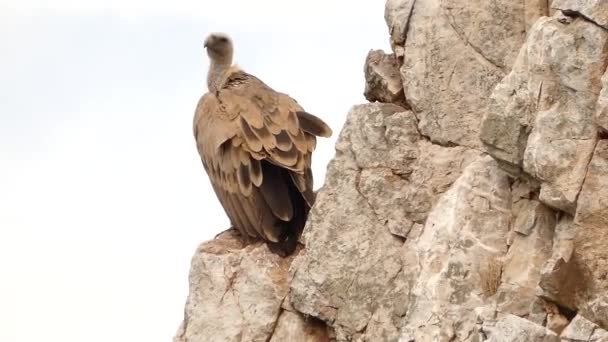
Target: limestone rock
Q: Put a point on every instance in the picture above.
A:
(515, 329)
(574, 276)
(455, 53)
(591, 238)
(382, 79)
(594, 10)
(602, 105)
(397, 14)
(541, 114)
(466, 229)
(535, 9)
(293, 327)
(355, 273)
(530, 249)
(582, 330)
(593, 200)
(236, 291)
(556, 322)
(561, 274)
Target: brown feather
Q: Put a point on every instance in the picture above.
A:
(273, 232)
(283, 140)
(267, 139)
(259, 155)
(275, 193)
(284, 158)
(244, 157)
(308, 177)
(301, 163)
(236, 141)
(299, 140)
(249, 210)
(265, 218)
(302, 183)
(292, 123)
(313, 125)
(253, 116)
(273, 127)
(236, 220)
(232, 181)
(241, 215)
(250, 138)
(232, 153)
(256, 173)
(277, 117)
(311, 142)
(244, 180)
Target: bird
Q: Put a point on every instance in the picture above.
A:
(256, 147)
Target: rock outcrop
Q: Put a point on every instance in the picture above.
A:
(469, 202)
(382, 79)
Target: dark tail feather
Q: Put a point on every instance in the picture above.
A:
(313, 125)
(291, 230)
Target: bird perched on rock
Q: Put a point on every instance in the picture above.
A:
(256, 146)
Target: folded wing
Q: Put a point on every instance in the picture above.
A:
(256, 145)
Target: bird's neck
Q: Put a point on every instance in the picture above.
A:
(217, 75)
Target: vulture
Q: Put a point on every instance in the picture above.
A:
(256, 146)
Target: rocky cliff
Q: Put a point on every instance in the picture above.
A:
(469, 202)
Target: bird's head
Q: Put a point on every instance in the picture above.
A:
(219, 47)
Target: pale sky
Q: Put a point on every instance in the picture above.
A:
(103, 198)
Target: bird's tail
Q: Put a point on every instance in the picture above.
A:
(292, 230)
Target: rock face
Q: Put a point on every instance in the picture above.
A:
(544, 124)
(541, 118)
(591, 238)
(240, 287)
(459, 253)
(381, 177)
(452, 59)
(469, 202)
(595, 11)
(602, 105)
(382, 80)
(515, 329)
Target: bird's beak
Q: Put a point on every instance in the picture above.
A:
(205, 45)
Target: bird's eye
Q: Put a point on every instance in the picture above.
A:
(222, 39)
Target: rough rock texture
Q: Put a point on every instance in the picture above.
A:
(515, 329)
(236, 291)
(581, 329)
(541, 125)
(541, 114)
(386, 179)
(382, 79)
(591, 238)
(468, 203)
(293, 327)
(466, 230)
(595, 11)
(602, 105)
(531, 242)
(452, 61)
(593, 199)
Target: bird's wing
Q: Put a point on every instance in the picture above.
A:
(255, 143)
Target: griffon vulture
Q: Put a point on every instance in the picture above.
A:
(256, 146)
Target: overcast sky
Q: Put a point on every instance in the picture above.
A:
(103, 198)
